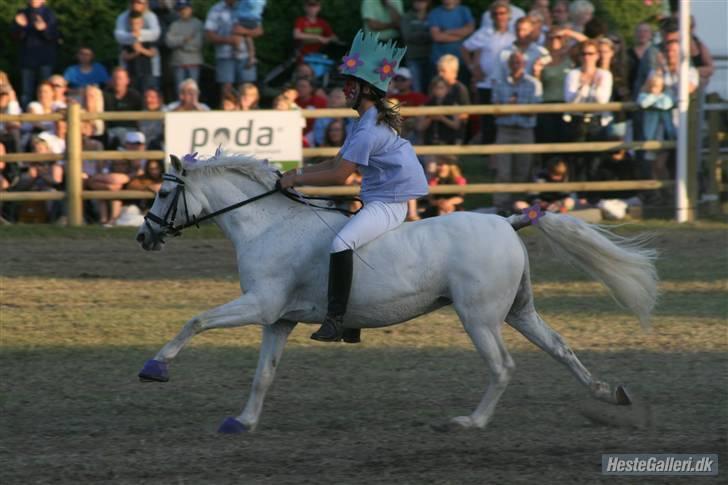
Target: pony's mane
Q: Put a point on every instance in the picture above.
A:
(251, 167)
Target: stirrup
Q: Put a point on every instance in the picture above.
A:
(331, 330)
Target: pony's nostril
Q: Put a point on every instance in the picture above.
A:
(140, 237)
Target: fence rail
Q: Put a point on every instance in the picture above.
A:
(74, 154)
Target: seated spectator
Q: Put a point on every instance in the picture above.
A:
(446, 172)
(310, 32)
(60, 88)
(138, 56)
(153, 129)
(149, 34)
(518, 88)
(92, 101)
(588, 84)
(335, 133)
(336, 99)
(249, 97)
(9, 130)
(416, 36)
(120, 97)
(56, 137)
(189, 94)
(450, 24)
(557, 171)
(184, 39)
(440, 129)
(88, 143)
(230, 102)
(86, 72)
(39, 176)
(150, 180)
(44, 104)
(308, 100)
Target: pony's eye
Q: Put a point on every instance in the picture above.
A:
(162, 194)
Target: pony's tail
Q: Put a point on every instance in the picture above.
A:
(624, 265)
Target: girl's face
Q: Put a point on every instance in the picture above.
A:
(447, 72)
(248, 99)
(228, 105)
(439, 90)
(351, 91)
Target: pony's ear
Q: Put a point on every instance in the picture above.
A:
(176, 164)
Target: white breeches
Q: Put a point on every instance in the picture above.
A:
(372, 221)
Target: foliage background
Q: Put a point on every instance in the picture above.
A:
(92, 22)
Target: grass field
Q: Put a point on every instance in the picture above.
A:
(81, 310)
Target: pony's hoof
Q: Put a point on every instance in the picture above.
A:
(232, 426)
(154, 371)
(463, 422)
(622, 397)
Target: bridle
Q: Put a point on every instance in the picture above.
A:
(167, 222)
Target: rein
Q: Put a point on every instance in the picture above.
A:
(167, 222)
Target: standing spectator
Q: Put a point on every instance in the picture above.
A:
(653, 58)
(514, 13)
(35, 28)
(580, 13)
(517, 88)
(150, 32)
(450, 24)
(382, 17)
(153, 130)
(588, 84)
(657, 121)
(700, 56)
(307, 99)
(249, 15)
(231, 55)
(120, 97)
(440, 129)
(416, 36)
(249, 97)
(447, 68)
(560, 14)
(189, 98)
(138, 56)
(310, 31)
(551, 127)
(642, 42)
(86, 71)
(184, 38)
(538, 22)
(670, 69)
(480, 52)
(524, 44)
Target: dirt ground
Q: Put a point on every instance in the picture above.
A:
(79, 316)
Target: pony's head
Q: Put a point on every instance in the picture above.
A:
(177, 203)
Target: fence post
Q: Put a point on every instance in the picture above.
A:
(692, 159)
(74, 186)
(713, 171)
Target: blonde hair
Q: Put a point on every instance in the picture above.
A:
(448, 60)
(94, 94)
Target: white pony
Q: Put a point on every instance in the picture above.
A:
(473, 261)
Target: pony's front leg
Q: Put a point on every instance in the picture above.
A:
(275, 337)
(241, 311)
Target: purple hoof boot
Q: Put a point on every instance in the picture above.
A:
(154, 371)
(232, 426)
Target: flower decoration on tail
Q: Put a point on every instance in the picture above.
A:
(351, 63)
(534, 213)
(191, 158)
(386, 69)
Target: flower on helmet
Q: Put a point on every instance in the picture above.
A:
(386, 69)
(351, 64)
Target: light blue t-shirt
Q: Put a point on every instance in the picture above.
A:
(387, 162)
(251, 10)
(460, 16)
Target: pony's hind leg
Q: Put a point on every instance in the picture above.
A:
(529, 323)
(486, 336)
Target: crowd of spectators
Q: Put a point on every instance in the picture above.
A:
(554, 52)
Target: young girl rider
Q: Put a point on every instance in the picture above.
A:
(391, 173)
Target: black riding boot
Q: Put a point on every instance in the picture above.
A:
(341, 267)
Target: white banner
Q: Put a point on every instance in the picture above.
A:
(266, 134)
